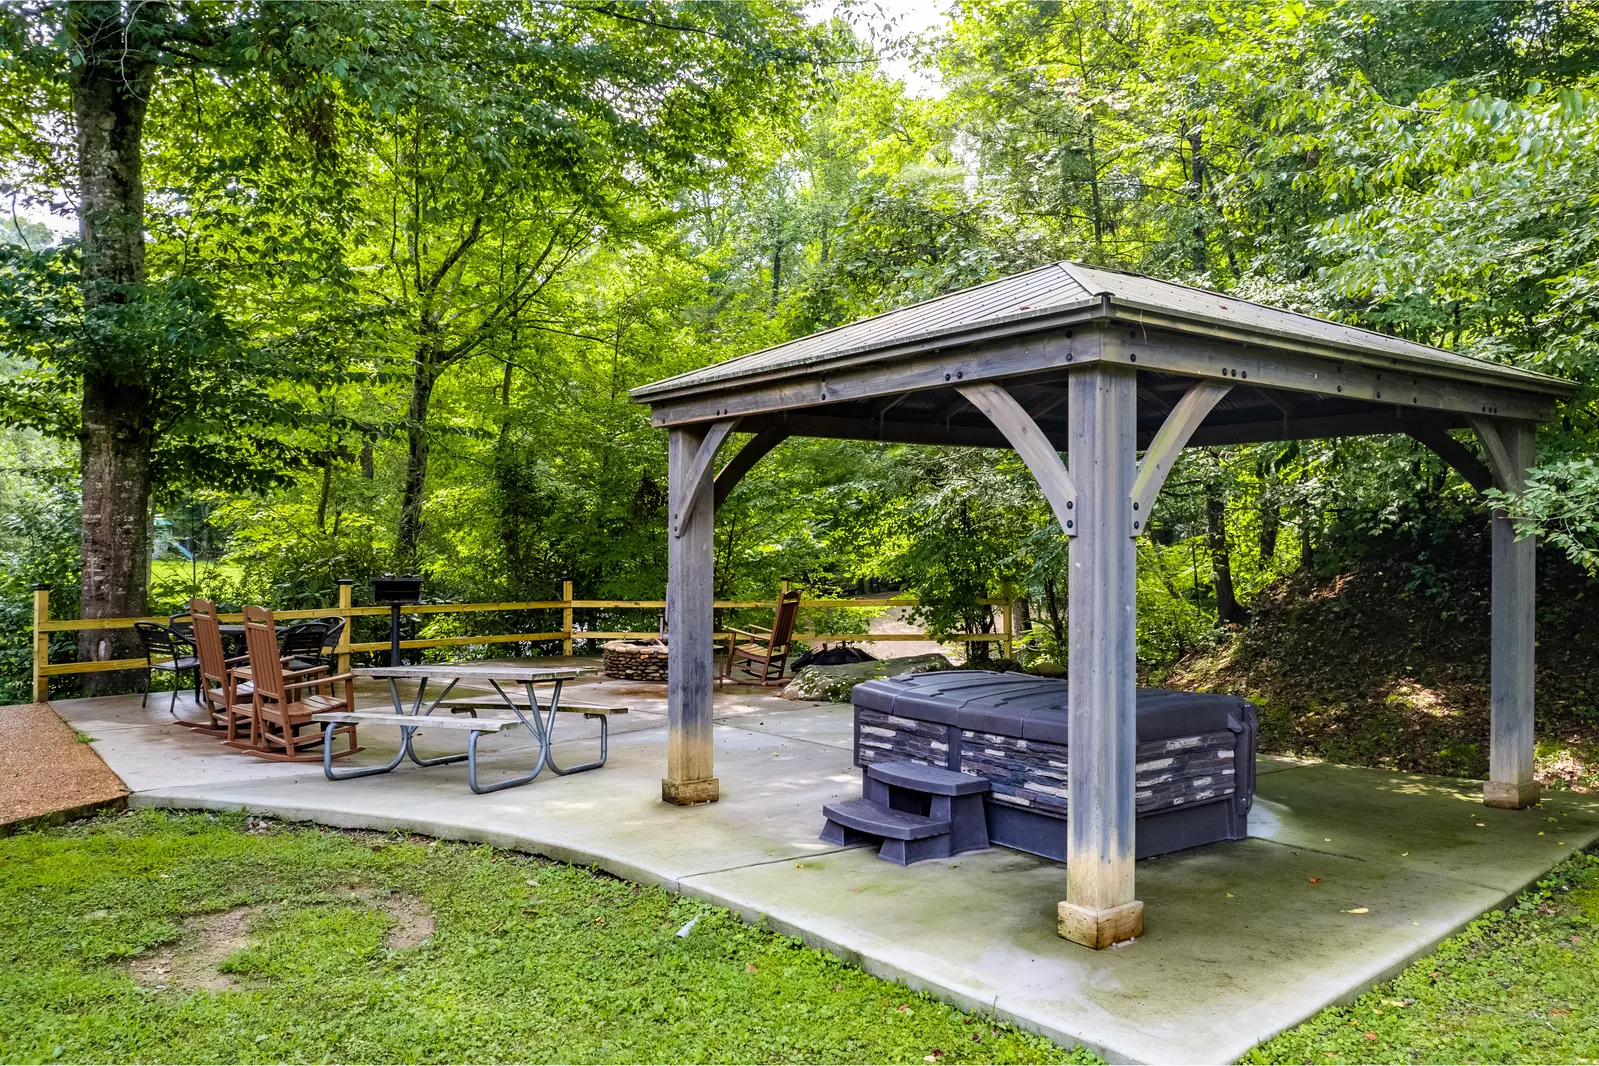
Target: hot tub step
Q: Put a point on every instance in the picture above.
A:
(933, 780)
(906, 837)
(867, 817)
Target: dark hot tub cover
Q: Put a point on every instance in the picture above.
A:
(1195, 755)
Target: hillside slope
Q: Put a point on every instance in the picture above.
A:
(1386, 664)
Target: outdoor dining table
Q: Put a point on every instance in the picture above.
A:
(538, 721)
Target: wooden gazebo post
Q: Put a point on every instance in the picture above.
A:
(1099, 908)
(690, 626)
(1512, 449)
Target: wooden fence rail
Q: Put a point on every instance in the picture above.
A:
(568, 634)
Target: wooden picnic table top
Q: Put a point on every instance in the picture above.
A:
(473, 671)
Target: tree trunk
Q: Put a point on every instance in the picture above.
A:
(109, 90)
(777, 266)
(1201, 252)
(416, 462)
(1221, 563)
(1057, 625)
(1270, 516)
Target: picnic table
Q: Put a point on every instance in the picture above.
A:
(538, 720)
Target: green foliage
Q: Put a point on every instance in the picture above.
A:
(404, 267)
(1560, 503)
(39, 535)
(212, 408)
(529, 960)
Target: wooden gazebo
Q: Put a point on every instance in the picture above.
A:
(1099, 365)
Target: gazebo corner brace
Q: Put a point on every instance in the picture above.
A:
(1170, 439)
(1035, 449)
(698, 474)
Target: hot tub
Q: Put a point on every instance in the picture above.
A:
(1195, 760)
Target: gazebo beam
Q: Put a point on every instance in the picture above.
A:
(843, 427)
(1099, 909)
(1512, 450)
(903, 370)
(1203, 357)
(691, 666)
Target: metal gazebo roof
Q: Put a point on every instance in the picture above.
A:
(1063, 293)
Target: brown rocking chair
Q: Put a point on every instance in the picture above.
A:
(768, 647)
(282, 702)
(225, 698)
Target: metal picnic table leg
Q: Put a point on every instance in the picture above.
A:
(536, 727)
(367, 771)
(416, 711)
(549, 734)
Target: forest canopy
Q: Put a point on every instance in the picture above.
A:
(340, 289)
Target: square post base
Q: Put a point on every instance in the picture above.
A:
(1100, 929)
(688, 793)
(1511, 795)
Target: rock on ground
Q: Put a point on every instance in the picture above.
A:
(833, 684)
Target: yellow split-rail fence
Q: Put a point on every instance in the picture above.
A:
(44, 625)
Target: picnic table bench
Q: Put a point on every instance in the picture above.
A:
(528, 712)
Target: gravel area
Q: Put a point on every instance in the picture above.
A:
(46, 772)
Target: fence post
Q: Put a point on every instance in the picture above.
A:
(41, 642)
(346, 600)
(566, 618)
(1009, 597)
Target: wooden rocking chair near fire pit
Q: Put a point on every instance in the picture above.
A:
(769, 647)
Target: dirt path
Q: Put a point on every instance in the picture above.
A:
(894, 620)
(46, 772)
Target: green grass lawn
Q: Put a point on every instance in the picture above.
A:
(183, 570)
(195, 937)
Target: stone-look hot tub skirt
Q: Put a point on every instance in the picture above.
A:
(1195, 756)
(636, 660)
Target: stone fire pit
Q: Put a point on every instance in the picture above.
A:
(636, 660)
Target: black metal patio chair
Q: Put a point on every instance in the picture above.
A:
(330, 640)
(301, 645)
(167, 649)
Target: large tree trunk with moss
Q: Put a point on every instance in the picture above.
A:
(109, 91)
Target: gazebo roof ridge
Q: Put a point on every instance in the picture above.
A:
(1062, 293)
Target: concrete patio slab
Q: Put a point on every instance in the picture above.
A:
(1349, 874)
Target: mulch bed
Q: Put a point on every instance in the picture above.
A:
(47, 775)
